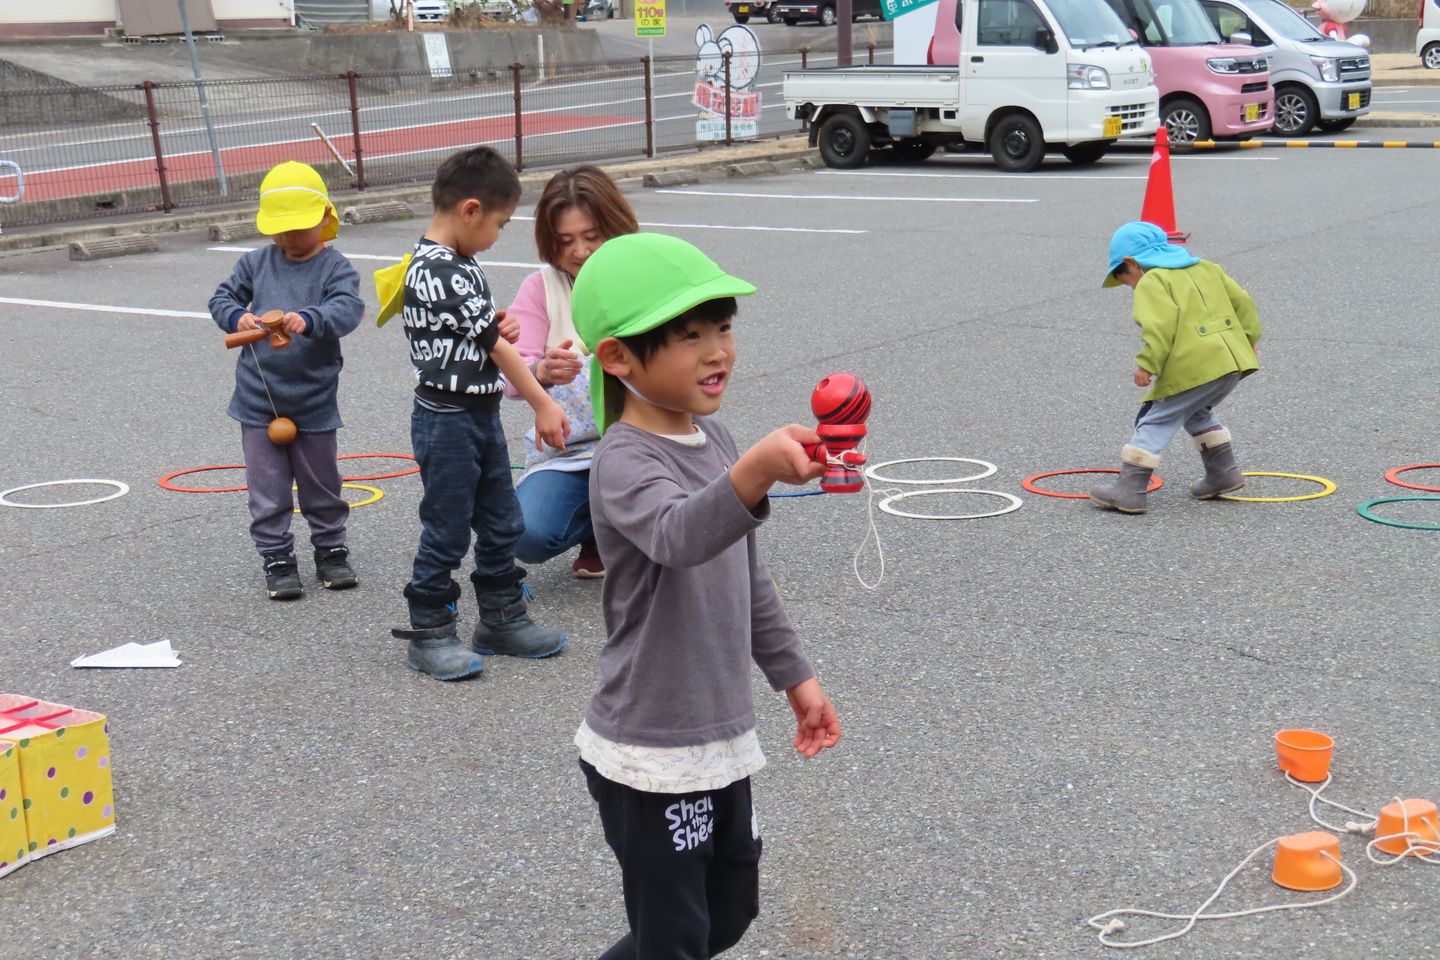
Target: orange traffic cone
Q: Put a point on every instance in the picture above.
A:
(1159, 207)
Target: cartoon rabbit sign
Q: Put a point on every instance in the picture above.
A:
(710, 90)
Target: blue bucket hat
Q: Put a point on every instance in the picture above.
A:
(1148, 246)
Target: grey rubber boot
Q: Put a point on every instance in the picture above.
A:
(1222, 473)
(1127, 493)
(435, 645)
(505, 628)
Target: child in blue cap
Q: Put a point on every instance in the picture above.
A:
(1200, 329)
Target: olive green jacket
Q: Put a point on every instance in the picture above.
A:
(1198, 325)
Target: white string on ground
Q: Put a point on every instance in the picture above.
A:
(1415, 844)
(1116, 925)
(1315, 797)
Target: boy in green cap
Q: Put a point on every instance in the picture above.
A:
(1200, 329)
(668, 743)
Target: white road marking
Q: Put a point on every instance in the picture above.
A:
(841, 196)
(384, 258)
(723, 226)
(971, 176)
(103, 308)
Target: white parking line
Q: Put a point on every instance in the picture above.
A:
(723, 226)
(842, 196)
(385, 258)
(972, 176)
(104, 308)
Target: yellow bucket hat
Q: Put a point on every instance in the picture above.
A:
(390, 289)
(293, 197)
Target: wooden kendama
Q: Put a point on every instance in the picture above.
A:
(272, 326)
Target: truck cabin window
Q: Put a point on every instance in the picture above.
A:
(1008, 23)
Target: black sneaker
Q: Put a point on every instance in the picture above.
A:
(332, 566)
(282, 577)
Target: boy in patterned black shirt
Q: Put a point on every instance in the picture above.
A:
(458, 355)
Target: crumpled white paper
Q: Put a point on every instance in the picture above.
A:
(132, 655)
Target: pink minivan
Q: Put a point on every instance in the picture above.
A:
(1207, 88)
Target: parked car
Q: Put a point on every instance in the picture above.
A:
(1036, 74)
(1427, 41)
(823, 11)
(431, 11)
(743, 10)
(1318, 80)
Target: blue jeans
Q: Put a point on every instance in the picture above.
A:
(465, 469)
(1194, 409)
(556, 504)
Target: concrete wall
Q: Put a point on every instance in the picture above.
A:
(48, 100)
(469, 50)
(1387, 36)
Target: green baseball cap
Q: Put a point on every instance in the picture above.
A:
(635, 283)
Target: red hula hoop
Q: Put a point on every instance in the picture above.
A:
(166, 484)
(1391, 475)
(1029, 484)
(380, 476)
(165, 480)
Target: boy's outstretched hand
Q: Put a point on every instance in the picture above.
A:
(816, 726)
(551, 426)
(777, 458)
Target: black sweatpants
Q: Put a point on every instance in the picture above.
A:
(690, 863)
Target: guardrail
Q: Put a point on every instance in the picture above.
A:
(125, 149)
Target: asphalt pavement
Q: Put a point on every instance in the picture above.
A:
(1047, 714)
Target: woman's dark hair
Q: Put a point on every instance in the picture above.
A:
(586, 188)
(645, 345)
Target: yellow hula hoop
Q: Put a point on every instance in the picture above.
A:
(378, 493)
(1327, 484)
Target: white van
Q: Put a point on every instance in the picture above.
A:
(1032, 74)
(1427, 41)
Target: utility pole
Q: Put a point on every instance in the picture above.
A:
(205, 104)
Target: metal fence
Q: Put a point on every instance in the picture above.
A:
(92, 151)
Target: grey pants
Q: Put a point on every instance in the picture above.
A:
(1194, 409)
(309, 463)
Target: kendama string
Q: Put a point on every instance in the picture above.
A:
(263, 383)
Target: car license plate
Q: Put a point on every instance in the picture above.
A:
(1112, 126)
(1354, 102)
(1252, 112)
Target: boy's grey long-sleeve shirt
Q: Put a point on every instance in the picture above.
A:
(303, 377)
(688, 602)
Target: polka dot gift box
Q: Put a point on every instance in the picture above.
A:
(14, 838)
(64, 758)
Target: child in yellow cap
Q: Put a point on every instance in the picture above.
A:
(319, 292)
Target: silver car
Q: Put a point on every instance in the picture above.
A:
(1319, 81)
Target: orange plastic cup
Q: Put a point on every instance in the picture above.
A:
(1304, 754)
(1422, 818)
(1301, 864)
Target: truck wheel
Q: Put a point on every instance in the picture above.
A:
(772, 15)
(1295, 111)
(844, 141)
(1335, 126)
(913, 151)
(1430, 56)
(742, 18)
(827, 16)
(1084, 154)
(1185, 121)
(1017, 144)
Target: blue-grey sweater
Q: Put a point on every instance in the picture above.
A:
(304, 376)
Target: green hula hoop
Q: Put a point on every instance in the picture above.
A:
(1364, 511)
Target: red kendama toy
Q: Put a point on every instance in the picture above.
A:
(841, 402)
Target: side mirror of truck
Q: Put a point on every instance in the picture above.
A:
(1242, 38)
(1045, 40)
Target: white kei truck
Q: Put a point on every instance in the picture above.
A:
(1033, 74)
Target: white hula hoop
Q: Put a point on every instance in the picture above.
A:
(874, 472)
(885, 505)
(120, 490)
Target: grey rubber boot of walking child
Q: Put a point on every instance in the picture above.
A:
(1127, 493)
(1222, 473)
(435, 644)
(505, 628)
